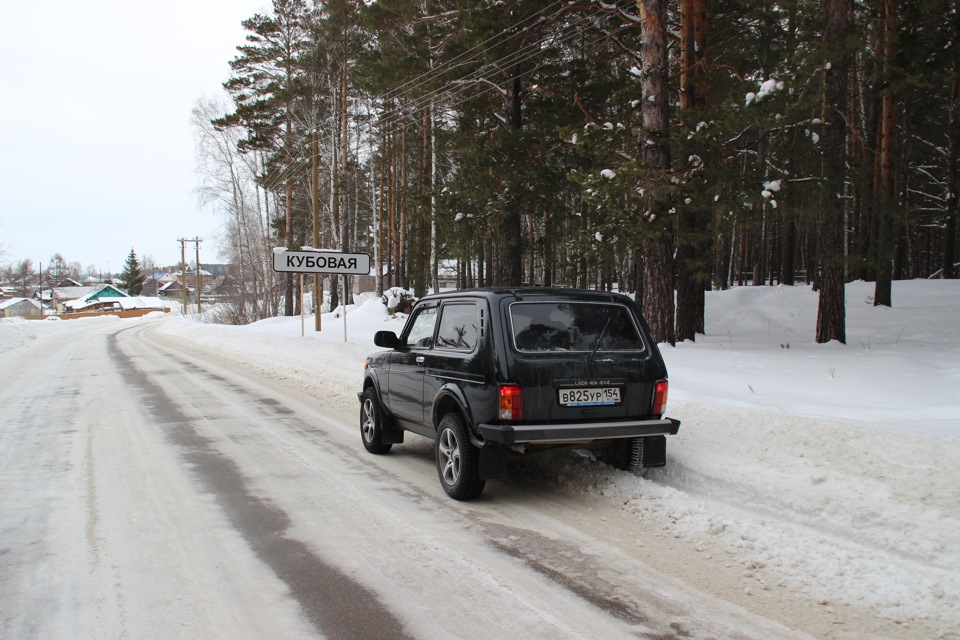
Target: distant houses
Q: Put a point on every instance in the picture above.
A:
(68, 296)
(216, 282)
(73, 300)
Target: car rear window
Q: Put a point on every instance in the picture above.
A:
(573, 326)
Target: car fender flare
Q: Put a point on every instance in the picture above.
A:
(371, 380)
(447, 394)
(493, 456)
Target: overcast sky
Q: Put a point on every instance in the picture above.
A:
(96, 147)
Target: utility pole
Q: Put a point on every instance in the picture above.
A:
(196, 241)
(183, 270)
(183, 274)
(317, 295)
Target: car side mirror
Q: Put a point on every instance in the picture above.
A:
(386, 339)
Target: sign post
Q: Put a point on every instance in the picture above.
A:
(322, 262)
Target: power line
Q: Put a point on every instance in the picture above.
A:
(456, 59)
(463, 86)
(463, 83)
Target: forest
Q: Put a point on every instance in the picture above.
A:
(658, 148)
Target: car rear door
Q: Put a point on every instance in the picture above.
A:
(580, 360)
(458, 357)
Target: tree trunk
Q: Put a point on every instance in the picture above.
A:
(512, 229)
(693, 248)
(288, 219)
(953, 181)
(831, 314)
(434, 259)
(404, 188)
(887, 211)
(658, 305)
(376, 209)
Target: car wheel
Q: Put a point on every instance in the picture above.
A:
(626, 455)
(458, 461)
(371, 423)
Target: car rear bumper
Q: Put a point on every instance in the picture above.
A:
(576, 432)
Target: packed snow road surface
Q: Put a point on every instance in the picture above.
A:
(149, 493)
(168, 479)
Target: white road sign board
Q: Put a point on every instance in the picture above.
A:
(355, 264)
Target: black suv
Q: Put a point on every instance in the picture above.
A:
(498, 373)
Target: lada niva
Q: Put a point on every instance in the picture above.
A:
(493, 374)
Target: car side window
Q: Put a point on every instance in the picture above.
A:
(421, 329)
(459, 327)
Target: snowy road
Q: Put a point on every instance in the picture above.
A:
(151, 489)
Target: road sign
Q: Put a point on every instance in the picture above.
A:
(356, 264)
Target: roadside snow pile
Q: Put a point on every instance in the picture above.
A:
(830, 470)
(899, 369)
(15, 332)
(836, 512)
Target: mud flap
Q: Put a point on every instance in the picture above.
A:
(390, 434)
(493, 461)
(654, 452)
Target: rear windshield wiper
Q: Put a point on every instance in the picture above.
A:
(603, 332)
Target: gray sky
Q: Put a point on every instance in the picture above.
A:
(96, 148)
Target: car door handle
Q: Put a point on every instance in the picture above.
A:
(420, 360)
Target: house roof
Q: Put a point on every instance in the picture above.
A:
(125, 303)
(174, 285)
(9, 302)
(65, 293)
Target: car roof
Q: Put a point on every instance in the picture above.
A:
(530, 293)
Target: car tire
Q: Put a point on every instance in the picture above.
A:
(626, 455)
(371, 423)
(458, 460)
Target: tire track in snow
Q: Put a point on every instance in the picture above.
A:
(338, 606)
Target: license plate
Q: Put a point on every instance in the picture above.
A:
(589, 397)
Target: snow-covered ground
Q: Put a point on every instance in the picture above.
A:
(830, 472)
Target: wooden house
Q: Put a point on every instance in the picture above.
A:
(20, 308)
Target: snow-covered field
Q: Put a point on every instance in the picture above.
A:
(829, 472)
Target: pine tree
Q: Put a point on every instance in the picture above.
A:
(267, 82)
(132, 277)
(506, 131)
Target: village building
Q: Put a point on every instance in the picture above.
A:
(104, 298)
(20, 308)
(60, 296)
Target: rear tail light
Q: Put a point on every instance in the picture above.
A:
(511, 402)
(660, 398)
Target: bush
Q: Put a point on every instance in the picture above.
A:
(227, 313)
(398, 300)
